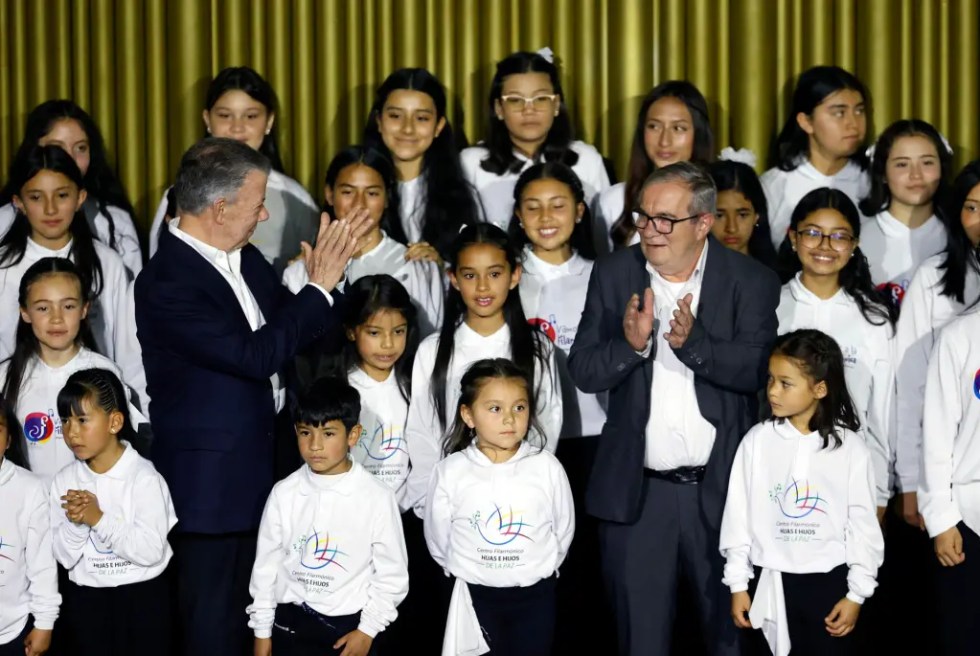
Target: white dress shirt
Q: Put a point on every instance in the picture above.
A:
(677, 435)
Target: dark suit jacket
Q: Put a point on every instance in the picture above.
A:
(208, 374)
(727, 349)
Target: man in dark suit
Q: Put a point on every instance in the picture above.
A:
(216, 329)
(678, 330)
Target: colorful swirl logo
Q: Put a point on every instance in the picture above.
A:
(501, 527)
(798, 500)
(544, 326)
(38, 427)
(2, 545)
(383, 443)
(320, 552)
(976, 384)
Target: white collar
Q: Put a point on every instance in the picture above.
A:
(228, 260)
(44, 251)
(697, 274)
(313, 483)
(477, 457)
(119, 471)
(802, 294)
(575, 265)
(466, 335)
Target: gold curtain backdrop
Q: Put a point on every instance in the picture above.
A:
(141, 67)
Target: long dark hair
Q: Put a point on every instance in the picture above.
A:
(449, 200)
(880, 196)
(16, 449)
(526, 346)
(100, 181)
(479, 374)
(247, 80)
(736, 176)
(371, 158)
(581, 239)
(556, 146)
(26, 344)
(102, 389)
(14, 243)
(813, 87)
(365, 298)
(855, 277)
(821, 360)
(961, 254)
(641, 166)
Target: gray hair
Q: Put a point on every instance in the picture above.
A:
(214, 168)
(704, 195)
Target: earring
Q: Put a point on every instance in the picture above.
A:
(209, 130)
(268, 131)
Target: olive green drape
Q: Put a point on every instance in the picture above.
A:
(141, 66)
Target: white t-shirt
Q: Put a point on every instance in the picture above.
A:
(497, 191)
(895, 251)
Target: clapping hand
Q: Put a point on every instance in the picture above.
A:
(336, 242)
(637, 322)
(682, 323)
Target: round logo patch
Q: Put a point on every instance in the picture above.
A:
(544, 326)
(38, 427)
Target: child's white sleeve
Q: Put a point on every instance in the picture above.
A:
(129, 354)
(42, 572)
(112, 299)
(940, 425)
(913, 342)
(549, 404)
(127, 239)
(880, 428)
(388, 585)
(437, 525)
(564, 511)
(68, 539)
(423, 433)
(735, 540)
(864, 545)
(427, 290)
(295, 276)
(144, 540)
(269, 555)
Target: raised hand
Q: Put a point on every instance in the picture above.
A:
(681, 324)
(637, 321)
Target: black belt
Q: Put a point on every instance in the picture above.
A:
(681, 475)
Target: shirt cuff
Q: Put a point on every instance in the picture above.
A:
(856, 598)
(645, 353)
(330, 301)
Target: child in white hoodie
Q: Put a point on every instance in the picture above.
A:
(499, 518)
(801, 508)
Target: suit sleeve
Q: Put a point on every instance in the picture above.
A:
(199, 334)
(737, 364)
(600, 358)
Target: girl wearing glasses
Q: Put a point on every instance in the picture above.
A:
(529, 123)
(821, 144)
(909, 169)
(833, 293)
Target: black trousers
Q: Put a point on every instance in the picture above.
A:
(809, 599)
(517, 621)
(16, 646)
(645, 562)
(301, 631)
(121, 621)
(958, 594)
(212, 574)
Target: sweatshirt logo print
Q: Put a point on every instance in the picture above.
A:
(38, 427)
(3, 545)
(546, 327)
(976, 384)
(319, 551)
(383, 442)
(798, 499)
(501, 526)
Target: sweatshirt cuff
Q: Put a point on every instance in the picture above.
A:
(941, 522)
(739, 587)
(908, 484)
(856, 598)
(368, 628)
(105, 528)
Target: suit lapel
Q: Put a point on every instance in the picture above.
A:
(712, 283)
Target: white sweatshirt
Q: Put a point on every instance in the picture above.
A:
(37, 409)
(784, 189)
(129, 544)
(411, 210)
(949, 491)
(795, 507)
(381, 450)
(293, 217)
(925, 311)
(129, 354)
(334, 543)
(102, 313)
(894, 251)
(422, 280)
(606, 209)
(497, 191)
(28, 574)
(127, 239)
(869, 366)
(553, 298)
(424, 431)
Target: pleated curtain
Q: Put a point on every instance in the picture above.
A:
(141, 67)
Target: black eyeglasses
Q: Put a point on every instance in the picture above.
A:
(661, 223)
(812, 238)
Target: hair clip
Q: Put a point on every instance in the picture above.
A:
(547, 54)
(942, 137)
(742, 155)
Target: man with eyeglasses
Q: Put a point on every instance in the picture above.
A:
(678, 329)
